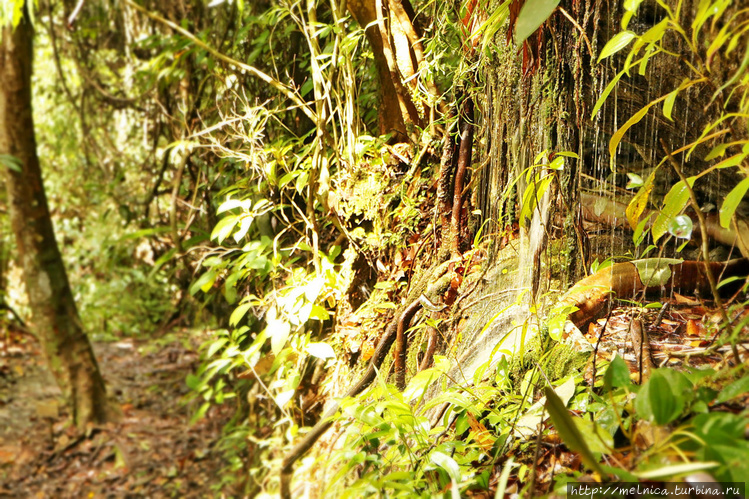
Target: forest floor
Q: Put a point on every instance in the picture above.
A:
(153, 451)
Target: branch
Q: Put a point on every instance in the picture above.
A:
(284, 89)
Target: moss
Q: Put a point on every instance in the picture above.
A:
(556, 358)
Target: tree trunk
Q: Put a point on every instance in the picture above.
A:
(397, 54)
(55, 317)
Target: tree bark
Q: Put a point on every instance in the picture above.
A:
(390, 32)
(54, 314)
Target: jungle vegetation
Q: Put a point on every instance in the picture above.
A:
(465, 248)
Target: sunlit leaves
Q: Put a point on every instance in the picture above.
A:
(204, 282)
(321, 350)
(278, 330)
(617, 43)
(451, 467)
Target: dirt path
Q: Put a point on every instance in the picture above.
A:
(152, 452)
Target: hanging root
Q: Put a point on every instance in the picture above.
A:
(441, 280)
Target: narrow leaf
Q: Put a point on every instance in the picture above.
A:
(10, 161)
(732, 202)
(668, 104)
(617, 43)
(619, 134)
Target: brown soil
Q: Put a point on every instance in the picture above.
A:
(152, 452)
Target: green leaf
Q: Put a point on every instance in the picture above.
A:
(605, 94)
(193, 382)
(419, 384)
(279, 331)
(533, 14)
(204, 282)
(655, 271)
(239, 313)
(635, 181)
(568, 154)
(717, 152)
(533, 193)
(215, 347)
(732, 202)
(618, 42)
(662, 398)
(451, 467)
(597, 439)
(735, 389)
(10, 161)
(669, 472)
(673, 204)
(619, 134)
(229, 204)
(568, 431)
(739, 73)
(617, 374)
(668, 104)
(224, 227)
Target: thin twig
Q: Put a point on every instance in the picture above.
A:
(580, 29)
(705, 245)
(284, 89)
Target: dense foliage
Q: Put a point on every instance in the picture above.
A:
(223, 165)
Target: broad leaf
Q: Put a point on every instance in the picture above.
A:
(639, 202)
(321, 350)
(533, 14)
(568, 431)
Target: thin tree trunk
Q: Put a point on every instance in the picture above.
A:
(55, 317)
(394, 60)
